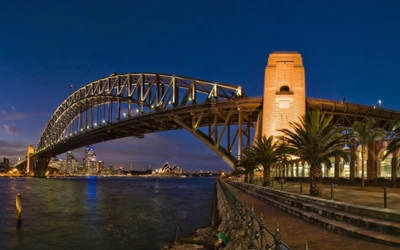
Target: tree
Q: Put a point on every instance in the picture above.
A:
(315, 139)
(366, 132)
(246, 165)
(394, 145)
(266, 152)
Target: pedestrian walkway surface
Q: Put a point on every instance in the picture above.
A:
(295, 232)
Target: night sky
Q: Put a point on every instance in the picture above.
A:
(349, 48)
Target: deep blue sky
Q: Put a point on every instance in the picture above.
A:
(349, 48)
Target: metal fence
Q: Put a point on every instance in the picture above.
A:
(253, 228)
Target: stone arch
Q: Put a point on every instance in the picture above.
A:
(358, 169)
(384, 166)
(293, 169)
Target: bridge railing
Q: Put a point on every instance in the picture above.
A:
(254, 228)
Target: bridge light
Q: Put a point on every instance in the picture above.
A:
(239, 91)
(124, 114)
(137, 110)
(152, 106)
(81, 129)
(378, 104)
(88, 126)
(104, 121)
(70, 134)
(169, 102)
(95, 124)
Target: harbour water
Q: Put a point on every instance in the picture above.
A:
(102, 213)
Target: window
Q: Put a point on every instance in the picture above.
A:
(284, 88)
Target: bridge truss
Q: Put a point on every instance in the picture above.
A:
(220, 115)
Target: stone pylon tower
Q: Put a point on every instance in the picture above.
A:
(29, 163)
(284, 92)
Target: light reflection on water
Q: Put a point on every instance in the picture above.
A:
(102, 213)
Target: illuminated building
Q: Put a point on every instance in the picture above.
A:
(99, 167)
(90, 161)
(167, 169)
(69, 162)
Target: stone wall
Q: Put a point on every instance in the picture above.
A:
(229, 224)
(205, 238)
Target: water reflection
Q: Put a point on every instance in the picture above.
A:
(101, 213)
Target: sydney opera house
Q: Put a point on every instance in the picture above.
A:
(167, 169)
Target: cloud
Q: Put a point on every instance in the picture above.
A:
(4, 116)
(13, 149)
(11, 129)
(13, 108)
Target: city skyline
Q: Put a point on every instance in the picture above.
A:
(48, 53)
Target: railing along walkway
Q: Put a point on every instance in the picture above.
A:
(253, 228)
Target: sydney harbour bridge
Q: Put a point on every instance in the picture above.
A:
(221, 116)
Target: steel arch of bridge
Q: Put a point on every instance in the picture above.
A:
(102, 110)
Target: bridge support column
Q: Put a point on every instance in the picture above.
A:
(353, 160)
(395, 164)
(372, 166)
(41, 165)
(337, 168)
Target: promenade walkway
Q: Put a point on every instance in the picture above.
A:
(295, 232)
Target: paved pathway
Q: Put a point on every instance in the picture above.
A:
(296, 232)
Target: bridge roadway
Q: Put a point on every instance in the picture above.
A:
(344, 114)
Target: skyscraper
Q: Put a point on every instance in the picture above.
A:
(90, 161)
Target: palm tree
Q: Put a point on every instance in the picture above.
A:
(246, 165)
(266, 153)
(394, 145)
(365, 132)
(315, 139)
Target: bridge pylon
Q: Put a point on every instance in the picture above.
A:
(29, 162)
(284, 98)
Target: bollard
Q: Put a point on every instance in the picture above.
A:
(252, 245)
(247, 221)
(331, 191)
(301, 187)
(262, 231)
(18, 209)
(281, 185)
(384, 197)
(277, 237)
(306, 246)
